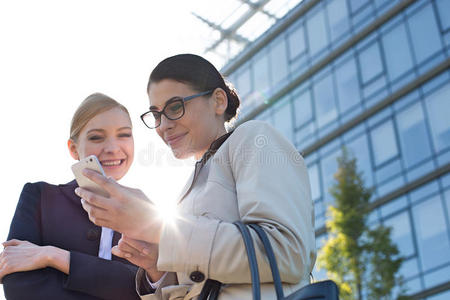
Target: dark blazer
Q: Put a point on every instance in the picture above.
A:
(52, 215)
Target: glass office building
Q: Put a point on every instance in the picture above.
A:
(373, 75)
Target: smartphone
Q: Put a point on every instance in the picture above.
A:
(91, 162)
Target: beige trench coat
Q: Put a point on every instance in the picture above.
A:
(256, 175)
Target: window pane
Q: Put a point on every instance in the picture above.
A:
(360, 149)
(444, 13)
(328, 169)
(413, 135)
(438, 106)
(261, 74)
(338, 18)
(317, 33)
(431, 230)
(278, 61)
(324, 101)
(282, 118)
(447, 202)
(296, 41)
(383, 143)
(347, 85)
(397, 51)
(314, 181)
(244, 82)
(401, 233)
(303, 109)
(357, 4)
(370, 63)
(424, 33)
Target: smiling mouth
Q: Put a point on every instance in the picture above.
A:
(112, 163)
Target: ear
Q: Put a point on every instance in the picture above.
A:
(220, 101)
(73, 149)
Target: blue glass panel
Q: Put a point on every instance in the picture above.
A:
(424, 191)
(278, 61)
(360, 149)
(420, 170)
(424, 33)
(431, 233)
(317, 33)
(447, 202)
(393, 206)
(413, 286)
(445, 180)
(390, 186)
(338, 18)
(313, 172)
(282, 118)
(413, 135)
(442, 296)
(328, 169)
(304, 136)
(409, 268)
(438, 106)
(401, 233)
(397, 51)
(244, 83)
(437, 277)
(443, 8)
(347, 85)
(324, 101)
(296, 41)
(370, 63)
(387, 171)
(303, 108)
(357, 4)
(261, 73)
(384, 144)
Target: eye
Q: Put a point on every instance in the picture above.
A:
(125, 135)
(95, 138)
(175, 107)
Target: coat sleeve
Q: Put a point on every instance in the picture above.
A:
(272, 188)
(87, 272)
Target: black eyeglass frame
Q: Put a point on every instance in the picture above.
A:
(170, 101)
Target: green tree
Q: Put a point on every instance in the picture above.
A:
(360, 259)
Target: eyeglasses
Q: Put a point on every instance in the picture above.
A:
(173, 110)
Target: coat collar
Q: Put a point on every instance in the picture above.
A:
(68, 190)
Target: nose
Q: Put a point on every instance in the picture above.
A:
(166, 123)
(111, 146)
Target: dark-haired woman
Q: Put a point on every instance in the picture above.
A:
(251, 174)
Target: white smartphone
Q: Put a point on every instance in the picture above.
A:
(91, 162)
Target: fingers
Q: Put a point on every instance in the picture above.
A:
(117, 252)
(96, 214)
(12, 242)
(92, 198)
(108, 183)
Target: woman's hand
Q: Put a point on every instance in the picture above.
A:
(126, 210)
(139, 253)
(20, 256)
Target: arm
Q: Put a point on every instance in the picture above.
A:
(272, 189)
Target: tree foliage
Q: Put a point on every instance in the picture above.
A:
(360, 259)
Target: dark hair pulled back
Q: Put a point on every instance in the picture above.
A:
(198, 73)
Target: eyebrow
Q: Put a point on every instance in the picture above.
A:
(102, 130)
(165, 103)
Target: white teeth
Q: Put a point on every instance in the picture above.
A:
(111, 163)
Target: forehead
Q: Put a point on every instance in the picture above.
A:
(166, 89)
(111, 119)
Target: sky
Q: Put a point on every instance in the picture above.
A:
(54, 53)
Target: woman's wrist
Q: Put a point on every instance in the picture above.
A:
(154, 275)
(57, 258)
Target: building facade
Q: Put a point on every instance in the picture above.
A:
(373, 75)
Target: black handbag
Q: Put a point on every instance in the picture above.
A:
(322, 290)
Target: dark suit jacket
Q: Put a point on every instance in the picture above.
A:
(52, 215)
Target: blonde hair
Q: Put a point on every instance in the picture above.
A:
(92, 106)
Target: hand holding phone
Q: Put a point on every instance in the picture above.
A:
(91, 162)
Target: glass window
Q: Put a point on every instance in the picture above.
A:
(443, 8)
(303, 109)
(328, 169)
(261, 74)
(431, 231)
(324, 101)
(282, 118)
(244, 82)
(357, 4)
(438, 106)
(401, 233)
(413, 135)
(314, 181)
(278, 61)
(447, 202)
(317, 33)
(370, 62)
(347, 85)
(296, 41)
(396, 50)
(424, 33)
(338, 18)
(360, 149)
(384, 145)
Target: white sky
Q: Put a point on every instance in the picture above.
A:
(54, 53)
